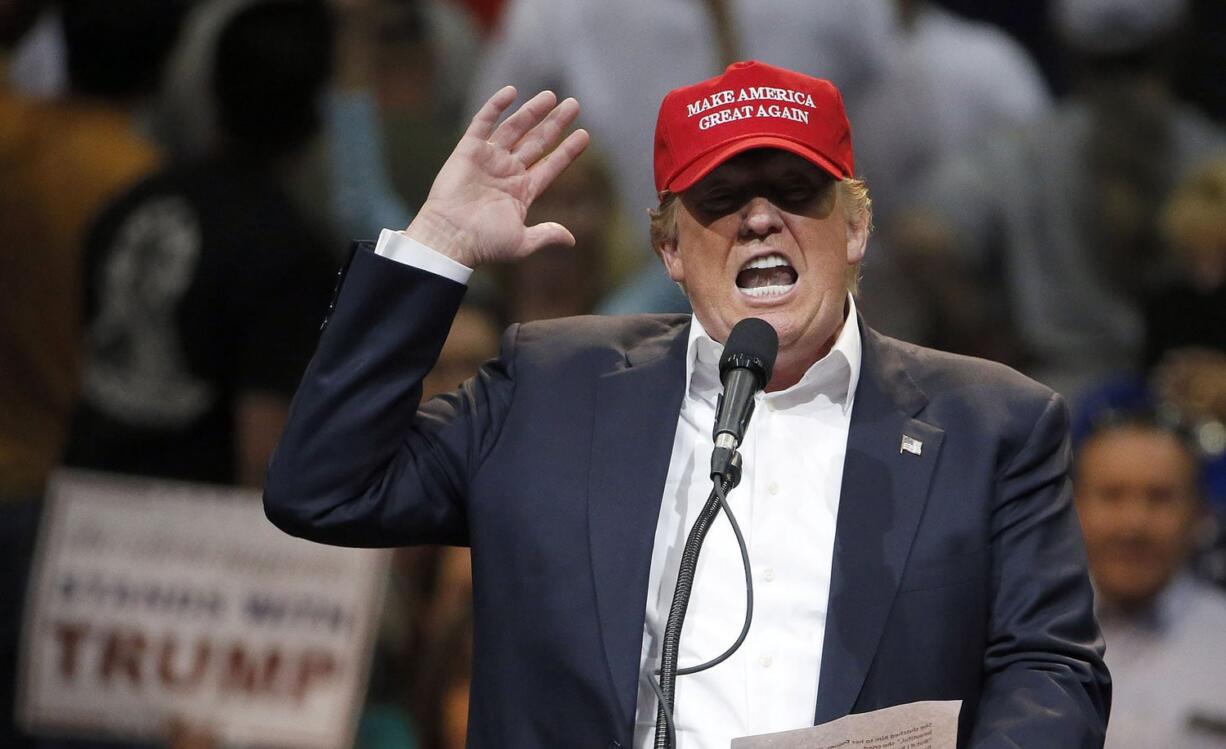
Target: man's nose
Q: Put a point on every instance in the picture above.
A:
(1133, 515)
(759, 218)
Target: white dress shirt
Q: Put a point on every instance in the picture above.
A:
(787, 505)
(402, 249)
(1168, 669)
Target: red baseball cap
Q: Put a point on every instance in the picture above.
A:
(751, 105)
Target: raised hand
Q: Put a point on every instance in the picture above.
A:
(475, 211)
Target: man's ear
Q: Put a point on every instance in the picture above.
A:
(857, 239)
(669, 253)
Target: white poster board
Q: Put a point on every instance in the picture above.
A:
(153, 600)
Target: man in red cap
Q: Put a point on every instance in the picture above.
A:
(907, 512)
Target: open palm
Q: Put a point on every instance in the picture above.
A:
(476, 207)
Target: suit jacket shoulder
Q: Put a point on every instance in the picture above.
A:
(594, 340)
(970, 394)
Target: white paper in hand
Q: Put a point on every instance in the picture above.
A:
(919, 725)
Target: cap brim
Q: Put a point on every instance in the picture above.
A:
(703, 165)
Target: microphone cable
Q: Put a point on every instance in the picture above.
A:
(744, 369)
(665, 736)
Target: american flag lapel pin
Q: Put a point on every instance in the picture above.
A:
(910, 445)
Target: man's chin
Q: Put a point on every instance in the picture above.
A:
(1131, 591)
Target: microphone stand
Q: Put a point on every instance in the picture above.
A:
(723, 483)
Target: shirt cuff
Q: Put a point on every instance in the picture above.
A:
(396, 246)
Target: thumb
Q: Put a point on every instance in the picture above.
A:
(547, 234)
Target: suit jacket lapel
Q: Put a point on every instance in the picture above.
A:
(885, 488)
(636, 420)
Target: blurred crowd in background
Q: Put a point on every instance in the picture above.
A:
(179, 182)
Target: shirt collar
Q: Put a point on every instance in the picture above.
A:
(835, 375)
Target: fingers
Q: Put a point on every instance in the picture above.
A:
(541, 138)
(531, 130)
(487, 117)
(545, 171)
(525, 118)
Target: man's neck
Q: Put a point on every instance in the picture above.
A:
(790, 366)
(1153, 611)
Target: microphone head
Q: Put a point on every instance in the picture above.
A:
(752, 344)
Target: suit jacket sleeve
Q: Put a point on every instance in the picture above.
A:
(358, 463)
(1045, 681)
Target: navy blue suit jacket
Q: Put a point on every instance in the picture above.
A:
(958, 573)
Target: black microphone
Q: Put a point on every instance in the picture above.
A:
(745, 368)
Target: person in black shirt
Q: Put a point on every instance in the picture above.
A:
(205, 284)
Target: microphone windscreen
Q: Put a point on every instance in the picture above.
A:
(752, 344)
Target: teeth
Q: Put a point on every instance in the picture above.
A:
(773, 260)
(763, 291)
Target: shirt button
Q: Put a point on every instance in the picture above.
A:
(768, 575)
(765, 661)
(772, 487)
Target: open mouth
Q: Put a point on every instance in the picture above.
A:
(766, 276)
